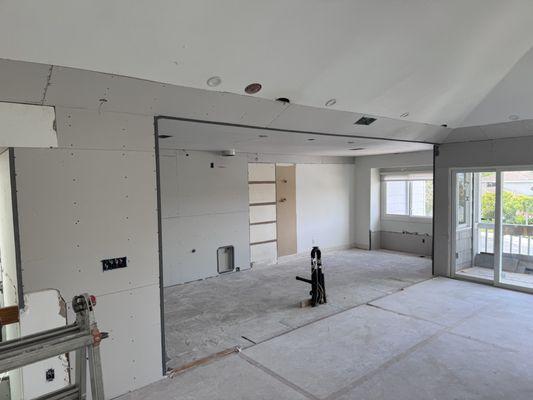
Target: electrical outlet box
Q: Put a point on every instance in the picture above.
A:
(114, 263)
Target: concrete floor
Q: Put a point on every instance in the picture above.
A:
(439, 339)
(249, 307)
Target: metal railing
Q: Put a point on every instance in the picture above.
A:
(517, 239)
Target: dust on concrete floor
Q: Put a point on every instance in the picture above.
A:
(439, 339)
(248, 307)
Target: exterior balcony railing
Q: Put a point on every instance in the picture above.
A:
(517, 239)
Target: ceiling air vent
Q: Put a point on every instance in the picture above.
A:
(365, 121)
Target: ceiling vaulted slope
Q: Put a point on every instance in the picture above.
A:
(431, 61)
(510, 100)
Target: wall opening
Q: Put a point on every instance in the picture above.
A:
(225, 259)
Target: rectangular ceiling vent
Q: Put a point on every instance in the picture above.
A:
(365, 121)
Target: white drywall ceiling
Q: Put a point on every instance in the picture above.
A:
(213, 137)
(435, 60)
(510, 100)
(59, 86)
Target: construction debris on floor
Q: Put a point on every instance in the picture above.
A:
(439, 339)
(249, 307)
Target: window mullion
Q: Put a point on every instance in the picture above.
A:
(409, 198)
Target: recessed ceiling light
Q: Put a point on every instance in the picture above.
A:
(514, 117)
(365, 121)
(311, 139)
(263, 136)
(405, 114)
(283, 100)
(214, 81)
(331, 102)
(358, 148)
(164, 136)
(253, 88)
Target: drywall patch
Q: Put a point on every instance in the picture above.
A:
(24, 125)
(44, 310)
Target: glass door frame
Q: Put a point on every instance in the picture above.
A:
(498, 238)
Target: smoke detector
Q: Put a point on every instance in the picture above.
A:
(228, 153)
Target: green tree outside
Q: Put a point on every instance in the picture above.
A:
(517, 208)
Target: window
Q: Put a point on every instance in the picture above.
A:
(397, 198)
(408, 195)
(463, 199)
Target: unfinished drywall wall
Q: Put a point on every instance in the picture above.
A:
(93, 198)
(369, 225)
(325, 206)
(488, 153)
(8, 262)
(43, 310)
(204, 207)
(7, 235)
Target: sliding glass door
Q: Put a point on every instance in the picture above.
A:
(517, 228)
(474, 225)
(493, 227)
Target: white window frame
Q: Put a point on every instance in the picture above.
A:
(468, 200)
(399, 217)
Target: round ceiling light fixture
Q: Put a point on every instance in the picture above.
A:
(214, 81)
(331, 102)
(514, 117)
(253, 88)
